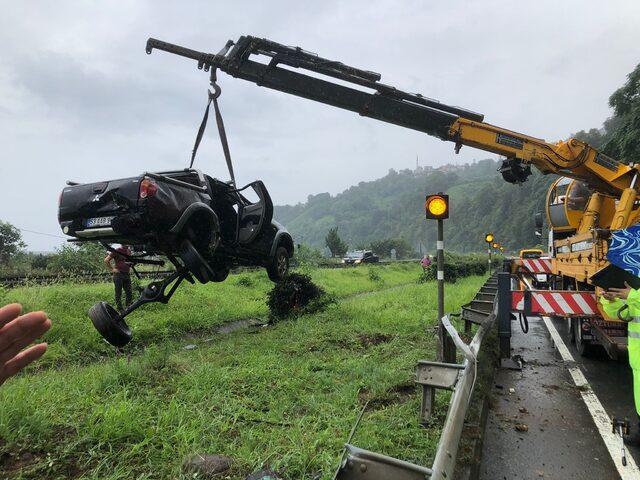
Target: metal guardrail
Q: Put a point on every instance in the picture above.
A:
(359, 464)
(445, 460)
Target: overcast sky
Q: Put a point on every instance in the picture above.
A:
(80, 99)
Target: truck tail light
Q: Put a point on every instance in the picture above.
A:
(148, 188)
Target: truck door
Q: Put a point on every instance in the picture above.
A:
(254, 213)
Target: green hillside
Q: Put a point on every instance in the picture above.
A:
(393, 206)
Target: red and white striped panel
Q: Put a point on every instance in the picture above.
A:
(559, 303)
(537, 265)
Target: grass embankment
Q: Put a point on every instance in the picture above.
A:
(193, 309)
(285, 396)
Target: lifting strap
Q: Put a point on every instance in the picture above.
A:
(213, 97)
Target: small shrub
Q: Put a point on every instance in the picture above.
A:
(296, 295)
(455, 266)
(427, 274)
(244, 281)
(306, 256)
(374, 275)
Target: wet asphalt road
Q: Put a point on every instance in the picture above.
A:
(611, 380)
(538, 425)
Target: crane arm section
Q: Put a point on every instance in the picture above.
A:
(361, 91)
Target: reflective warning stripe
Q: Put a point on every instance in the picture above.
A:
(562, 303)
(537, 265)
(584, 305)
(633, 334)
(558, 303)
(544, 303)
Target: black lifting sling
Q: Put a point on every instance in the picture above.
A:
(213, 97)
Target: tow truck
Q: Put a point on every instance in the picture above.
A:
(594, 196)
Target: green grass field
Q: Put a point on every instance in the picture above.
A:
(283, 396)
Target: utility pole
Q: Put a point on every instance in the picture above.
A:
(437, 208)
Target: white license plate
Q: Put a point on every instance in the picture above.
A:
(98, 222)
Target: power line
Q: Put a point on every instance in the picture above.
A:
(41, 233)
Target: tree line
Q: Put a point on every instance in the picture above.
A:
(383, 248)
(481, 201)
(67, 259)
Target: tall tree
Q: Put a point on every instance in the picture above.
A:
(334, 243)
(84, 258)
(400, 245)
(10, 242)
(624, 142)
(393, 206)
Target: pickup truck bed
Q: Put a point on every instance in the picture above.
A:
(159, 212)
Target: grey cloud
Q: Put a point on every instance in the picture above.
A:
(80, 99)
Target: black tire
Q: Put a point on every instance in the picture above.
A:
(279, 266)
(572, 331)
(220, 274)
(583, 347)
(106, 320)
(195, 262)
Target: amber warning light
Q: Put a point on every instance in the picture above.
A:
(437, 206)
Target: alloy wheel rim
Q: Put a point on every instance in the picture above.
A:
(282, 264)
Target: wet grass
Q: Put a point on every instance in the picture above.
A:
(284, 396)
(194, 309)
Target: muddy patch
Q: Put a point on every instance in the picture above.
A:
(238, 325)
(397, 394)
(372, 339)
(35, 462)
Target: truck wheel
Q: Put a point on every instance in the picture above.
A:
(195, 262)
(220, 274)
(114, 330)
(584, 347)
(279, 266)
(572, 331)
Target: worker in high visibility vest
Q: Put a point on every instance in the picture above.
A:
(624, 303)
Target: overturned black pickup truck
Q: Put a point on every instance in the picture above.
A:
(203, 226)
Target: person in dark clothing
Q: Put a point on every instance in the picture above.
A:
(121, 274)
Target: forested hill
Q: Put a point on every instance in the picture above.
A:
(393, 206)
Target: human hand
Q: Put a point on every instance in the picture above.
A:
(622, 293)
(16, 332)
(115, 270)
(609, 295)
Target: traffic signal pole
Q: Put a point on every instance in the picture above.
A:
(488, 237)
(447, 352)
(437, 208)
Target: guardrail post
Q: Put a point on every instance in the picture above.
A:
(504, 314)
(426, 406)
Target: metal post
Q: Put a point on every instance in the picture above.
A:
(447, 347)
(504, 314)
(489, 251)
